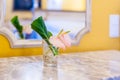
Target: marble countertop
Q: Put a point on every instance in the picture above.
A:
(95, 65)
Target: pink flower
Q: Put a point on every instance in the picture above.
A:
(65, 40)
(57, 42)
(61, 41)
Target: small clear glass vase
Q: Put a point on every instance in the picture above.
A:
(49, 59)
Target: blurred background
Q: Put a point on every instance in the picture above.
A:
(58, 14)
(97, 39)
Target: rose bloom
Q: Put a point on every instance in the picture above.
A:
(61, 41)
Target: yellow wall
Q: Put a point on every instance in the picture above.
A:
(74, 5)
(69, 5)
(6, 51)
(97, 39)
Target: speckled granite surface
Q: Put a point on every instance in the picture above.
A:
(95, 65)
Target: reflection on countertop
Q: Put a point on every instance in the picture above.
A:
(95, 65)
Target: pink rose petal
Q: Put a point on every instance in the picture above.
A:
(61, 41)
(57, 42)
(65, 39)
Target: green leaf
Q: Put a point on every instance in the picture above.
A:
(17, 25)
(54, 50)
(49, 34)
(39, 26)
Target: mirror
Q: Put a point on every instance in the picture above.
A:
(70, 15)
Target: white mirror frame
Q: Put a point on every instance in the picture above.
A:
(15, 43)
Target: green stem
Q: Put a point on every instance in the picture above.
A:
(48, 51)
(52, 48)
